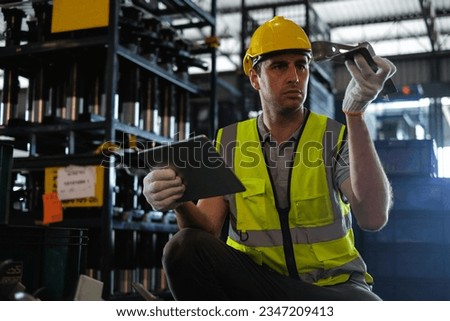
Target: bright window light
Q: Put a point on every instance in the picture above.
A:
(443, 158)
(420, 131)
(402, 104)
(443, 153)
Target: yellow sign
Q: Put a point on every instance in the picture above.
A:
(69, 15)
(51, 186)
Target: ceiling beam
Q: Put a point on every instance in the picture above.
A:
(429, 16)
(393, 37)
(353, 22)
(397, 18)
(274, 4)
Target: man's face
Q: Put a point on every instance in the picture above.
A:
(282, 82)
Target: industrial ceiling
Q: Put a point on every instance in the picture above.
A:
(394, 28)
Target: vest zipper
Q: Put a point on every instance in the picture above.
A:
(287, 243)
(283, 214)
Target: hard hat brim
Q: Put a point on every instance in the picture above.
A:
(271, 54)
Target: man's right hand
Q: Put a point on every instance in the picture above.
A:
(162, 189)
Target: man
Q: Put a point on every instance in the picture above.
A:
(289, 235)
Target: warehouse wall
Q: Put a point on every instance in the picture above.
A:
(414, 69)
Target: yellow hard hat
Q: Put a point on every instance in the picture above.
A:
(275, 35)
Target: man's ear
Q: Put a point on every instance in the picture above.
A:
(253, 78)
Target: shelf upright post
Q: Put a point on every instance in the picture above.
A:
(111, 78)
(214, 107)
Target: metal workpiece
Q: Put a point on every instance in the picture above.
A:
(326, 51)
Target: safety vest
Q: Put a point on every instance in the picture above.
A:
(313, 239)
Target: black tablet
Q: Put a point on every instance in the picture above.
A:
(199, 165)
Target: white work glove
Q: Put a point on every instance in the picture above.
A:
(365, 84)
(162, 189)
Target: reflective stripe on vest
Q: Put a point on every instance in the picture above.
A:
(319, 221)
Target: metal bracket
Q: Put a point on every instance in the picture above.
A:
(325, 51)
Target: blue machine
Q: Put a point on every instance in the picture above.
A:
(410, 258)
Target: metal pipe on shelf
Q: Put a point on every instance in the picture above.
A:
(42, 20)
(59, 91)
(146, 262)
(166, 59)
(11, 86)
(125, 260)
(39, 92)
(182, 105)
(160, 281)
(128, 96)
(74, 99)
(130, 109)
(93, 255)
(149, 83)
(94, 95)
(182, 115)
(149, 92)
(166, 102)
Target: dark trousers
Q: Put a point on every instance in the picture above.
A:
(201, 267)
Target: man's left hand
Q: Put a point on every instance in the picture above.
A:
(365, 84)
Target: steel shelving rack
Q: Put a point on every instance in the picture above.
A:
(74, 140)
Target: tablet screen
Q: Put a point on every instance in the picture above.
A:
(199, 165)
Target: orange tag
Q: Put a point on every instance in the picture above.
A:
(53, 211)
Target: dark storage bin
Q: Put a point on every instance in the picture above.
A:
(408, 157)
(418, 227)
(412, 289)
(52, 258)
(421, 193)
(413, 260)
(409, 270)
(410, 257)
